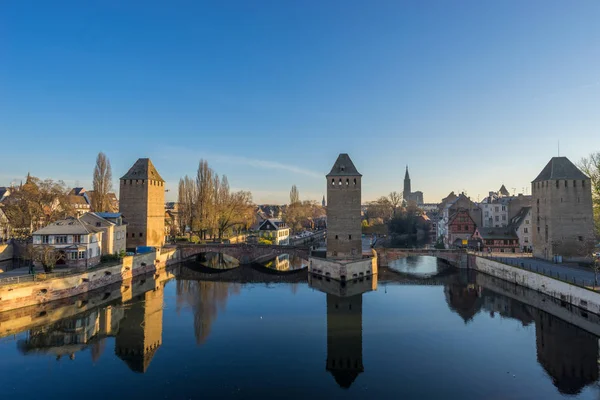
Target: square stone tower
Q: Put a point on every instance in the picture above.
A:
(563, 222)
(142, 203)
(343, 210)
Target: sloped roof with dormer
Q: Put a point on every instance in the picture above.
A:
(560, 168)
(343, 167)
(143, 169)
(520, 217)
(69, 226)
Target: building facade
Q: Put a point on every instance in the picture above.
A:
(276, 231)
(142, 204)
(562, 212)
(461, 227)
(523, 228)
(114, 232)
(344, 210)
(78, 242)
(497, 240)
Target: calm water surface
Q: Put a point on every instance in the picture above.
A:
(460, 336)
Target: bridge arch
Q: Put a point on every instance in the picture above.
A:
(244, 253)
(456, 258)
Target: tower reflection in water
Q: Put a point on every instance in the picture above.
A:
(344, 325)
(131, 312)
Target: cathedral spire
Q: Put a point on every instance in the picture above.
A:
(406, 176)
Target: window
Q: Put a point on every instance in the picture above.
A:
(504, 218)
(503, 208)
(347, 181)
(81, 255)
(582, 183)
(349, 237)
(557, 183)
(466, 227)
(486, 214)
(580, 238)
(566, 183)
(574, 183)
(336, 237)
(526, 222)
(141, 234)
(61, 239)
(497, 218)
(526, 239)
(525, 230)
(45, 239)
(98, 224)
(73, 255)
(496, 209)
(332, 182)
(76, 238)
(354, 181)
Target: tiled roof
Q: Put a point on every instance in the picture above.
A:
(69, 226)
(75, 199)
(560, 168)
(344, 167)
(497, 233)
(520, 217)
(143, 169)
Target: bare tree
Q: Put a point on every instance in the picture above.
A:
(395, 201)
(102, 183)
(591, 167)
(294, 195)
(45, 255)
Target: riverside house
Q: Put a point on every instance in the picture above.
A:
(77, 240)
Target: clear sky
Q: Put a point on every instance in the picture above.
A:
(469, 94)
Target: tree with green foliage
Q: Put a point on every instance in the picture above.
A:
(591, 167)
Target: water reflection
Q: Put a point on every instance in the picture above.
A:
(132, 313)
(217, 261)
(285, 262)
(344, 326)
(419, 266)
(206, 300)
(567, 353)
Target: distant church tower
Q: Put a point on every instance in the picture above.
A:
(406, 194)
(142, 203)
(562, 212)
(343, 210)
(344, 338)
(323, 202)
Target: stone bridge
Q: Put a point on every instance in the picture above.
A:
(456, 258)
(244, 253)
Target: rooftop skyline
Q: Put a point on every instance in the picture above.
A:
(471, 95)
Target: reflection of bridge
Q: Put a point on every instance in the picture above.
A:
(244, 253)
(457, 258)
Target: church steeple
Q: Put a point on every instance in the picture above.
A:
(406, 192)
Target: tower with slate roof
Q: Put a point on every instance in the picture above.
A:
(142, 204)
(563, 222)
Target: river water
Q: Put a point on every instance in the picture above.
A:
(173, 336)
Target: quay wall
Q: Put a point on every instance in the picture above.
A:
(44, 291)
(563, 291)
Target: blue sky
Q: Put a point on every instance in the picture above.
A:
(470, 94)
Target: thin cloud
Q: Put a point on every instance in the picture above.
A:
(250, 162)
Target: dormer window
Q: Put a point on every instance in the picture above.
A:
(342, 168)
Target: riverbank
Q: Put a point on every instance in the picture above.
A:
(40, 292)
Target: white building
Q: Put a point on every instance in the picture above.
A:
(522, 225)
(275, 230)
(79, 242)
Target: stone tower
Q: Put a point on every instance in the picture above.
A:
(142, 203)
(406, 193)
(343, 210)
(562, 212)
(344, 338)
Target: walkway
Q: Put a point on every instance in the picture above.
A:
(571, 273)
(19, 275)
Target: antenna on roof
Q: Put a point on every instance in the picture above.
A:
(559, 148)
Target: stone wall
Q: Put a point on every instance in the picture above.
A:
(343, 217)
(343, 270)
(565, 292)
(40, 292)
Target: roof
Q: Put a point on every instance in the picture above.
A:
(108, 215)
(4, 191)
(69, 226)
(503, 191)
(75, 199)
(457, 212)
(520, 217)
(272, 224)
(78, 191)
(406, 176)
(560, 168)
(343, 167)
(497, 233)
(143, 169)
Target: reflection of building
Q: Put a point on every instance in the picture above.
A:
(567, 353)
(463, 299)
(140, 331)
(279, 263)
(344, 326)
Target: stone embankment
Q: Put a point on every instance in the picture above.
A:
(565, 292)
(41, 292)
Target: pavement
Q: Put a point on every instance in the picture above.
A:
(567, 272)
